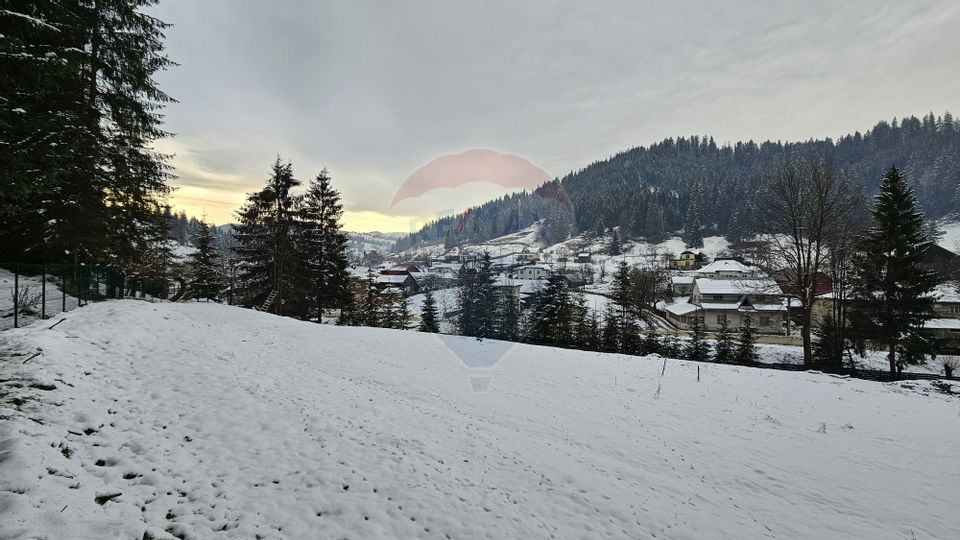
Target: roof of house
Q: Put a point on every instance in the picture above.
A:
(682, 280)
(737, 286)
(392, 279)
(681, 308)
(943, 324)
(947, 293)
(726, 265)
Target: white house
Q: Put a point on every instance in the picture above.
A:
(730, 291)
(527, 256)
(727, 268)
(534, 271)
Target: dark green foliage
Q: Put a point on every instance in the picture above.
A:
(651, 342)
(266, 235)
(610, 334)
(892, 290)
(79, 115)
(428, 314)
(671, 347)
(204, 266)
(697, 348)
(508, 316)
(478, 301)
(322, 244)
(724, 348)
(614, 249)
(746, 351)
(553, 314)
(830, 348)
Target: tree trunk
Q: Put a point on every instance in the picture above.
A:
(892, 357)
(805, 332)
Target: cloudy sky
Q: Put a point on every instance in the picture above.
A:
(374, 90)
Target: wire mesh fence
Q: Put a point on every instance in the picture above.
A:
(30, 292)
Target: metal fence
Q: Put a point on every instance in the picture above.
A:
(30, 292)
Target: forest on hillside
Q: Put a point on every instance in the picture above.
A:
(698, 188)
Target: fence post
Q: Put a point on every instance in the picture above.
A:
(16, 295)
(63, 287)
(43, 291)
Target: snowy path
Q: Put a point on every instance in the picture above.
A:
(250, 424)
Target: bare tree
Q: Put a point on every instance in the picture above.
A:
(806, 203)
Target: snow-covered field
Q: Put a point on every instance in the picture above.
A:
(205, 421)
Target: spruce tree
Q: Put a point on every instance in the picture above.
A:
(554, 314)
(266, 234)
(893, 291)
(615, 248)
(507, 320)
(610, 335)
(428, 314)
(651, 342)
(80, 179)
(323, 244)
(204, 266)
(478, 302)
(697, 348)
(746, 351)
(724, 348)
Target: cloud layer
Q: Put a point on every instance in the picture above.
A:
(373, 90)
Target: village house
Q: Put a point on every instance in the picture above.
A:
(526, 256)
(727, 290)
(688, 260)
(403, 277)
(534, 271)
(584, 257)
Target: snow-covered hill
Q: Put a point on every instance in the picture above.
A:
(359, 242)
(143, 420)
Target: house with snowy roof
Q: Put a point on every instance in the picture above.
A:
(688, 260)
(527, 256)
(534, 271)
(730, 291)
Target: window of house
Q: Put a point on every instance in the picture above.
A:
(954, 308)
(721, 319)
(718, 297)
(765, 320)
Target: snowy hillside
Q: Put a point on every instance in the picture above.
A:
(359, 242)
(951, 236)
(143, 420)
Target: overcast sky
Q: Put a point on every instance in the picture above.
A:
(375, 90)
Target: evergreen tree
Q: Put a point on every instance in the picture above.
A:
(670, 346)
(724, 348)
(830, 348)
(79, 177)
(555, 314)
(507, 321)
(610, 334)
(429, 320)
(651, 342)
(697, 348)
(323, 244)
(477, 299)
(615, 248)
(204, 266)
(265, 235)
(746, 351)
(893, 290)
